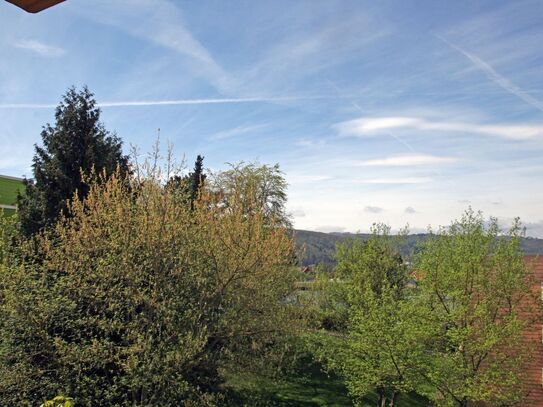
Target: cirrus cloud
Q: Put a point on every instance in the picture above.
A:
(373, 126)
(40, 48)
(407, 161)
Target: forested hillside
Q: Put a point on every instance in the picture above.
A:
(318, 247)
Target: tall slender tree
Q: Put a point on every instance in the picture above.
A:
(189, 186)
(196, 178)
(77, 144)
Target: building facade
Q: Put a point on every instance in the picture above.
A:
(9, 188)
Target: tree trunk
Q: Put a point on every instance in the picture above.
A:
(381, 402)
(393, 399)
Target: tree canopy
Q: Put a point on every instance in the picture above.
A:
(455, 335)
(77, 143)
(477, 289)
(140, 300)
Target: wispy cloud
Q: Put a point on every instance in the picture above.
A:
(309, 142)
(174, 102)
(410, 210)
(495, 77)
(159, 22)
(237, 131)
(305, 178)
(305, 53)
(373, 209)
(380, 125)
(399, 181)
(40, 48)
(407, 161)
(297, 213)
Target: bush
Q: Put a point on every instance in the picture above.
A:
(137, 298)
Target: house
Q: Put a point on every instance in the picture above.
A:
(9, 188)
(534, 336)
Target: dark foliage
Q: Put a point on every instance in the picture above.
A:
(76, 144)
(188, 188)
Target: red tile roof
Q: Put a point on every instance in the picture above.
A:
(534, 369)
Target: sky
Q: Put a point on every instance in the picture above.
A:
(403, 112)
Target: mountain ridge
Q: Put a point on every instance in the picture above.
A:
(319, 247)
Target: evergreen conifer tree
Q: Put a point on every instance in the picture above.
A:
(76, 144)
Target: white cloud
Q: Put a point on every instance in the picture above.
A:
(379, 125)
(410, 210)
(307, 142)
(40, 48)
(298, 213)
(406, 180)
(407, 161)
(305, 178)
(330, 229)
(373, 209)
(237, 131)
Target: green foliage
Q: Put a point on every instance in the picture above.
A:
(197, 178)
(455, 336)
(380, 345)
(375, 265)
(188, 187)
(318, 247)
(138, 300)
(59, 401)
(477, 287)
(77, 144)
(264, 181)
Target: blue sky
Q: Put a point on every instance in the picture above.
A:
(404, 112)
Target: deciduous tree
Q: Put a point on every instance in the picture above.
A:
(380, 348)
(477, 287)
(140, 300)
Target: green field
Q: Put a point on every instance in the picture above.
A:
(310, 388)
(9, 188)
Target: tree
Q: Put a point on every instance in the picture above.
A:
(141, 301)
(380, 348)
(258, 187)
(477, 289)
(197, 178)
(188, 187)
(77, 144)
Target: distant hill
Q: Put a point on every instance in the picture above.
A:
(319, 247)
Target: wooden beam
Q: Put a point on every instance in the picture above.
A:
(34, 6)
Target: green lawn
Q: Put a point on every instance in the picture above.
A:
(9, 189)
(312, 388)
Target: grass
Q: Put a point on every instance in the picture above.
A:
(8, 190)
(311, 387)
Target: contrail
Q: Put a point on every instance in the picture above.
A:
(496, 77)
(176, 102)
(356, 106)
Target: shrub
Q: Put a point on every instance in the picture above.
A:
(137, 299)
